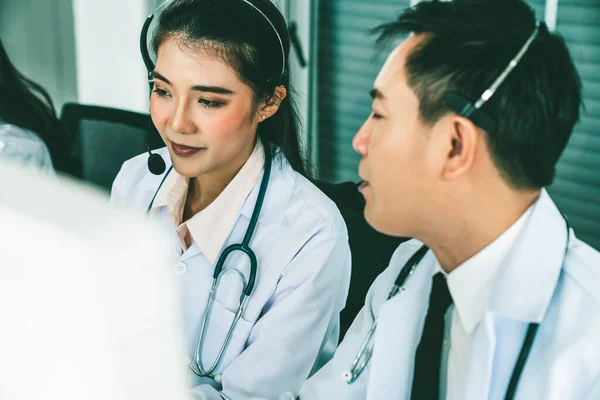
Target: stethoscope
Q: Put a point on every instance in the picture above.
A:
(244, 247)
(365, 351)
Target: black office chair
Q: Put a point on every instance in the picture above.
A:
(103, 138)
(371, 250)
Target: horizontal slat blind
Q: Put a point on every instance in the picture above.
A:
(576, 189)
(347, 67)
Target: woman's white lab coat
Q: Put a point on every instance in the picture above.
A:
(533, 286)
(290, 326)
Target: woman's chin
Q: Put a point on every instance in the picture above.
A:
(186, 168)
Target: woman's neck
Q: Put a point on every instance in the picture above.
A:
(204, 189)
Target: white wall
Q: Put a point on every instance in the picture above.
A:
(38, 36)
(110, 71)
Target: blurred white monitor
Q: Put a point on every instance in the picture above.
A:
(87, 303)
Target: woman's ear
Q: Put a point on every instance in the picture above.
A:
(271, 105)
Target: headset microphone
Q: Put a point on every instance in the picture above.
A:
(156, 164)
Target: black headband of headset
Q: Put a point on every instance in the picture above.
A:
(144, 39)
(467, 108)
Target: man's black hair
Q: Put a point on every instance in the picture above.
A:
(467, 44)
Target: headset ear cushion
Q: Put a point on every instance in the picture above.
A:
(463, 106)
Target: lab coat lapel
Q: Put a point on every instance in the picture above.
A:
(521, 295)
(496, 346)
(400, 325)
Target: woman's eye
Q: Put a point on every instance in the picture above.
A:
(210, 103)
(375, 115)
(160, 92)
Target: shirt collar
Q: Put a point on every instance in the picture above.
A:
(210, 227)
(471, 284)
(527, 282)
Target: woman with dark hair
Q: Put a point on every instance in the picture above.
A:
(222, 103)
(28, 124)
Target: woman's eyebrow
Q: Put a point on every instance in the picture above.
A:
(212, 89)
(198, 88)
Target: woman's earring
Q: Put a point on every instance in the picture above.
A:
(264, 116)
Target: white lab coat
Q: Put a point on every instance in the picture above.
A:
(290, 326)
(533, 286)
(25, 147)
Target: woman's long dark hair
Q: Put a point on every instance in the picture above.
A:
(245, 40)
(27, 105)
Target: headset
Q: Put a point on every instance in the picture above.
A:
(465, 107)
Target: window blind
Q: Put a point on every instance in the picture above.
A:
(347, 66)
(576, 189)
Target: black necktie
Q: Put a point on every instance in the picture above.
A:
(426, 381)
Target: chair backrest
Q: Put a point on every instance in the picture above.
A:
(103, 138)
(371, 250)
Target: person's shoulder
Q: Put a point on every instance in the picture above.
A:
(380, 288)
(582, 269)
(309, 205)
(574, 309)
(399, 258)
(16, 133)
(24, 145)
(401, 255)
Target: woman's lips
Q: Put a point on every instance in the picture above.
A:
(185, 151)
(362, 185)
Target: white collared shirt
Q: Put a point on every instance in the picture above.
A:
(210, 227)
(470, 285)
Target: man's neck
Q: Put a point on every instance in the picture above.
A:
(475, 226)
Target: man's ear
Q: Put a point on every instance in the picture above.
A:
(461, 147)
(271, 105)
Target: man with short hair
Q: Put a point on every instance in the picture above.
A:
(496, 297)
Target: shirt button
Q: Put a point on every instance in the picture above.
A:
(446, 341)
(2, 145)
(182, 268)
